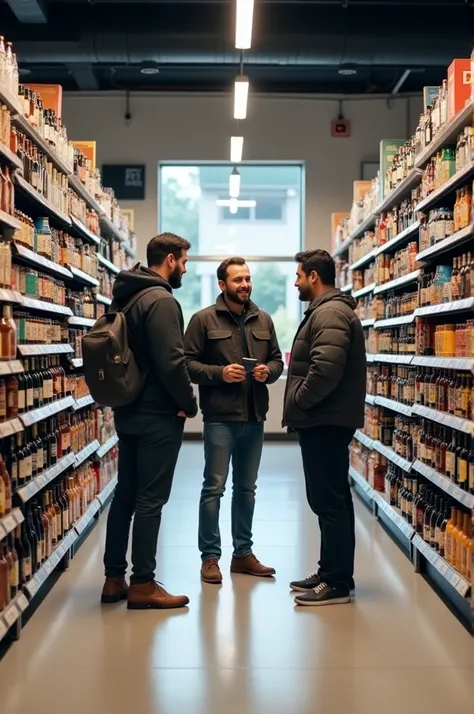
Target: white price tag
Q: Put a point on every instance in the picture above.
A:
(33, 586)
(9, 523)
(3, 629)
(22, 602)
(11, 615)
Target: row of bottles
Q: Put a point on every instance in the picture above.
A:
(449, 282)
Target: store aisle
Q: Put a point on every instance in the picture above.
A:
(243, 647)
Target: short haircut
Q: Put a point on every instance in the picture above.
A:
(222, 269)
(162, 245)
(319, 261)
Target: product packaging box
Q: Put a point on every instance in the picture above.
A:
(360, 189)
(336, 218)
(89, 149)
(51, 96)
(388, 149)
(459, 85)
(429, 95)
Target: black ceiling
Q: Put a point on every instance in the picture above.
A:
(298, 45)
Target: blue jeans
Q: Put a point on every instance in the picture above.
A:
(242, 442)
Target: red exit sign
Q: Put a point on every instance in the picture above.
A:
(341, 128)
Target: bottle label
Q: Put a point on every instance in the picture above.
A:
(15, 575)
(39, 553)
(66, 519)
(471, 477)
(40, 460)
(23, 470)
(462, 471)
(21, 400)
(29, 397)
(26, 568)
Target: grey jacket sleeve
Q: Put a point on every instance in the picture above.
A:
(275, 362)
(194, 350)
(164, 328)
(330, 332)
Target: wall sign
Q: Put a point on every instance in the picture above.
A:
(127, 180)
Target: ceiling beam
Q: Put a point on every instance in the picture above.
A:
(84, 76)
(32, 12)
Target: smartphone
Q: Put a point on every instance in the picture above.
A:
(249, 364)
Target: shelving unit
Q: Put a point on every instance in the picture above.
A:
(410, 358)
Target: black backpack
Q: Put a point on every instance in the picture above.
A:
(111, 372)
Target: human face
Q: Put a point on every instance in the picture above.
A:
(305, 284)
(177, 269)
(237, 286)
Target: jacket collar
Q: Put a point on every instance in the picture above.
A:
(221, 306)
(321, 299)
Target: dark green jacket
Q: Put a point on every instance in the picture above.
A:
(326, 381)
(212, 341)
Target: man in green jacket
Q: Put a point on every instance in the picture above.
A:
(324, 404)
(232, 353)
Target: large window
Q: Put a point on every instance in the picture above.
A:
(266, 230)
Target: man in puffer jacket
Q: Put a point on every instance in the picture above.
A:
(324, 404)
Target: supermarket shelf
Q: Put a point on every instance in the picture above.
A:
(107, 492)
(88, 516)
(405, 409)
(346, 288)
(370, 399)
(10, 296)
(51, 307)
(461, 364)
(84, 232)
(392, 456)
(12, 613)
(398, 239)
(361, 482)
(364, 439)
(452, 241)
(356, 233)
(454, 422)
(401, 191)
(447, 136)
(11, 158)
(9, 522)
(467, 499)
(36, 415)
(40, 350)
(47, 568)
(13, 366)
(107, 264)
(129, 250)
(84, 277)
(455, 579)
(42, 202)
(370, 357)
(398, 282)
(109, 444)
(102, 299)
(109, 229)
(77, 362)
(364, 291)
(367, 258)
(81, 321)
(24, 125)
(10, 427)
(9, 221)
(393, 359)
(82, 191)
(83, 402)
(369, 322)
(20, 251)
(394, 321)
(442, 308)
(46, 477)
(405, 528)
(85, 453)
(448, 186)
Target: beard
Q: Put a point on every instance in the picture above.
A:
(304, 294)
(240, 296)
(176, 278)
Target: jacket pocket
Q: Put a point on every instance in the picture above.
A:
(261, 344)
(219, 334)
(220, 347)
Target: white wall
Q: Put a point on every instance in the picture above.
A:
(197, 128)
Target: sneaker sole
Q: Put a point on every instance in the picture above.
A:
(321, 603)
(296, 589)
(146, 606)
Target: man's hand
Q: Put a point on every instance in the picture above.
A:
(261, 373)
(234, 373)
(182, 414)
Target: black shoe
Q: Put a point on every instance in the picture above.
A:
(324, 594)
(311, 582)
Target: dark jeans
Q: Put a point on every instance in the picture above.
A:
(242, 442)
(325, 455)
(148, 452)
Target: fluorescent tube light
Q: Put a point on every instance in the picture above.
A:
(243, 24)
(241, 95)
(236, 147)
(234, 205)
(234, 184)
(228, 202)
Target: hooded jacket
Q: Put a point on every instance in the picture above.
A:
(155, 324)
(326, 381)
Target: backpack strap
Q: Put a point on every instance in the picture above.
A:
(137, 297)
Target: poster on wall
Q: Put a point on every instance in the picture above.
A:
(129, 216)
(127, 180)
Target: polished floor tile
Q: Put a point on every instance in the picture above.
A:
(243, 647)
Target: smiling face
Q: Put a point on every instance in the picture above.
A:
(237, 285)
(306, 284)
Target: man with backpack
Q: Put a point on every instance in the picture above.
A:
(150, 427)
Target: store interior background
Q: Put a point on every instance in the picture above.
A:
(196, 127)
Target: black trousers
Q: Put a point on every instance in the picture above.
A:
(325, 454)
(148, 452)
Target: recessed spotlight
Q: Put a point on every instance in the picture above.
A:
(347, 69)
(149, 68)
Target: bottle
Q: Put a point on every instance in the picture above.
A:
(26, 563)
(4, 579)
(471, 467)
(14, 571)
(462, 455)
(6, 500)
(7, 336)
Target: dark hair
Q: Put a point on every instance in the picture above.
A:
(319, 261)
(162, 245)
(222, 269)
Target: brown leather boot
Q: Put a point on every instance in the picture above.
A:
(210, 572)
(250, 565)
(114, 590)
(151, 596)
